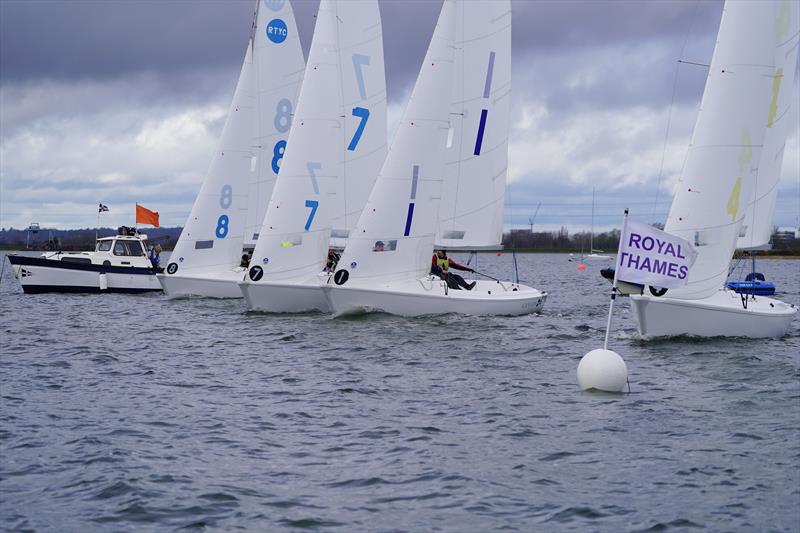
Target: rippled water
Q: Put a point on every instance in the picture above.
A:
(141, 413)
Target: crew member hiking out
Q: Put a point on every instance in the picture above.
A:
(440, 266)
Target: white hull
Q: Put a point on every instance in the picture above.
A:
(429, 296)
(719, 315)
(208, 285)
(273, 297)
(596, 257)
(55, 276)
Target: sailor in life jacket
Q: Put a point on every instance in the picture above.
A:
(440, 266)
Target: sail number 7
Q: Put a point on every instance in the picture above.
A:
(313, 204)
(363, 114)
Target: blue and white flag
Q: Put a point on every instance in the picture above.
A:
(650, 256)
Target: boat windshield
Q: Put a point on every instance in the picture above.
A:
(103, 246)
(128, 248)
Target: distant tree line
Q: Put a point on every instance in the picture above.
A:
(783, 243)
(76, 239)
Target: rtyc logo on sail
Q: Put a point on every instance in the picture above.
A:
(277, 31)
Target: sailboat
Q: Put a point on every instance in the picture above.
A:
(593, 255)
(336, 148)
(739, 107)
(387, 261)
(207, 258)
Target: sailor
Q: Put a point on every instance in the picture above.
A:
(155, 255)
(440, 266)
(245, 262)
(333, 260)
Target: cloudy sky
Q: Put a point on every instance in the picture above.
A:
(123, 101)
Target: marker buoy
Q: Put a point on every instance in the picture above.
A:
(499, 254)
(602, 370)
(581, 267)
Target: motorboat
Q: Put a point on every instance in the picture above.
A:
(117, 264)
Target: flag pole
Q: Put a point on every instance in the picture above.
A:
(614, 284)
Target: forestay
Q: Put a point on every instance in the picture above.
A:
(258, 120)
(757, 226)
(336, 146)
(718, 177)
(471, 210)
(393, 239)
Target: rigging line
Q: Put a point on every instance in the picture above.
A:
(671, 106)
(694, 63)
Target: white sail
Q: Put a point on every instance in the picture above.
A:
(260, 114)
(393, 239)
(472, 205)
(719, 174)
(757, 226)
(336, 146)
(279, 74)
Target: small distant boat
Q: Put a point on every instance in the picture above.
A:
(593, 255)
(117, 264)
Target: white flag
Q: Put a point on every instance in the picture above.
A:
(650, 256)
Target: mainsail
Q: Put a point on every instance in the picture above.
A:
(336, 146)
(243, 168)
(757, 226)
(472, 205)
(393, 239)
(719, 174)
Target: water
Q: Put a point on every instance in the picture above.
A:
(123, 413)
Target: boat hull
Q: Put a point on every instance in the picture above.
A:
(720, 315)
(207, 285)
(431, 297)
(39, 275)
(271, 297)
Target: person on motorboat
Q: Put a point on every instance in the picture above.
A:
(245, 262)
(155, 255)
(440, 266)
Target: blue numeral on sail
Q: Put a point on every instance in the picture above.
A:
(410, 215)
(359, 60)
(481, 128)
(363, 114)
(312, 167)
(313, 204)
(222, 227)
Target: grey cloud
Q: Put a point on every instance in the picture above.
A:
(86, 39)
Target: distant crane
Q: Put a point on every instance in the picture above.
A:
(532, 219)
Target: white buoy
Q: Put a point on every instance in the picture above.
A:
(603, 370)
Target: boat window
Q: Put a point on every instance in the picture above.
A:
(104, 246)
(385, 246)
(84, 260)
(129, 248)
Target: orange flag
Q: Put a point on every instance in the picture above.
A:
(145, 216)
